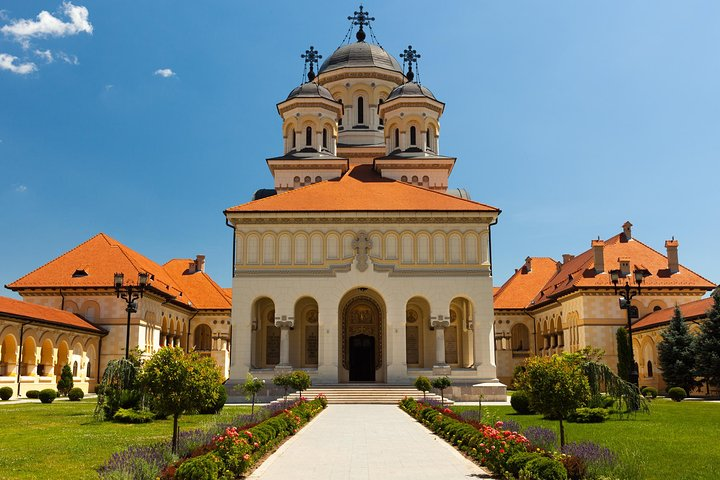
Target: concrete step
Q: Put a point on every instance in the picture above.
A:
(365, 394)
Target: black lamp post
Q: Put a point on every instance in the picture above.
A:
(628, 293)
(130, 293)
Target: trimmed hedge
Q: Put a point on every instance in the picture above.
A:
(32, 394)
(649, 392)
(133, 416)
(544, 468)
(520, 402)
(589, 415)
(678, 394)
(6, 393)
(47, 395)
(76, 394)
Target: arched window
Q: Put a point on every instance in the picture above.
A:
(426, 181)
(325, 138)
(403, 178)
(88, 371)
(427, 138)
(380, 102)
(293, 139)
(340, 121)
(656, 308)
(649, 369)
(308, 136)
(308, 180)
(75, 367)
(203, 338)
(318, 179)
(296, 182)
(360, 111)
(413, 136)
(397, 138)
(415, 180)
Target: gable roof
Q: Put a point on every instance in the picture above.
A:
(29, 311)
(361, 189)
(198, 287)
(100, 257)
(689, 311)
(579, 272)
(525, 284)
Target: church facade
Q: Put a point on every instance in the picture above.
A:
(360, 266)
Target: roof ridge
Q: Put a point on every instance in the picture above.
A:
(217, 287)
(686, 268)
(286, 192)
(442, 193)
(100, 234)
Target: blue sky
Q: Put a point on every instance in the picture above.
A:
(144, 120)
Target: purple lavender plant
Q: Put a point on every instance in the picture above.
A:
(591, 453)
(541, 437)
(511, 425)
(138, 463)
(470, 415)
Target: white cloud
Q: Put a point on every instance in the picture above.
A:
(7, 62)
(109, 87)
(47, 25)
(71, 59)
(3, 15)
(46, 54)
(21, 189)
(165, 72)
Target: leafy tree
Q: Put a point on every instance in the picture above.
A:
(624, 365)
(300, 380)
(708, 344)
(282, 380)
(119, 387)
(250, 388)
(66, 381)
(178, 382)
(676, 352)
(423, 384)
(556, 386)
(441, 383)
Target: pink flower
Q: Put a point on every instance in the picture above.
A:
(246, 457)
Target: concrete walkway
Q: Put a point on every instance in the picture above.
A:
(366, 442)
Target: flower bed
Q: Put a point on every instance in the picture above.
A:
(491, 446)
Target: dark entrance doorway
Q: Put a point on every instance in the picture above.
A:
(362, 358)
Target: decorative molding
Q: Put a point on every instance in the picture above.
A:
(354, 220)
(362, 245)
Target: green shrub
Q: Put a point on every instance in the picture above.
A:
(520, 402)
(678, 394)
(75, 394)
(545, 468)
(650, 392)
(423, 384)
(6, 393)
(47, 395)
(32, 394)
(518, 461)
(214, 407)
(300, 380)
(66, 381)
(576, 467)
(124, 415)
(204, 467)
(589, 415)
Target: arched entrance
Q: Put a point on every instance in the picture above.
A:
(362, 332)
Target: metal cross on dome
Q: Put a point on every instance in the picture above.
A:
(311, 57)
(361, 18)
(410, 56)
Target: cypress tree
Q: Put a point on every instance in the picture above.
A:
(708, 344)
(623, 349)
(66, 380)
(676, 352)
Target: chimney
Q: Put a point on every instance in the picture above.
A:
(528, 265)
(191, 267)
(627, 230)
(624, 266)
(200, 263)
(672, 255)
(567, 257)
(598, 247)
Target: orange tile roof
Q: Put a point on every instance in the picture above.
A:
(361, 189)
(101, 257)
(198, 287)
(524, 285)
(690, 311)
(30, 311)
(579, 272)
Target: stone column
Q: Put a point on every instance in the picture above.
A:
(439, 323)
(284, 323)
(484, 337)
(395, 351)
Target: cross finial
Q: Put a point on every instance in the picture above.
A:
(363, 245)
(410, 56)
(361, 18)
(311, 56)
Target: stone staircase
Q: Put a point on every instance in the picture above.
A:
(365, 394)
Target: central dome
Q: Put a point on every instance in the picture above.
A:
(360, 54)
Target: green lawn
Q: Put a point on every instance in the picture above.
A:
(62, 440)
(679, 441)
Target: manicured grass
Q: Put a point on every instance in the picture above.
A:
(679, 441)
(62, 440)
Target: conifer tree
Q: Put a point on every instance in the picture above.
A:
(623, 349)
(676, 352)
(708, 344)
(66, 380)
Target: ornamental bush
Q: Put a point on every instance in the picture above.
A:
(211, 408)
(545, 468)
(423, 384)
(589, 415)
(678, 394)
(650, 392)
(520, 402)
(75, 394)
(6, 393)
(518, 461)
(133, 416)
(205, 467)
(32, 394)
(300, 380)
(47, 395)
(66, 381)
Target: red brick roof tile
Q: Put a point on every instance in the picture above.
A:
(689, 311)
(30, 311)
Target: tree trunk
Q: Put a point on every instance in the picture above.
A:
(562, 434)
(175, 433)
(442, 397)
(252, 409)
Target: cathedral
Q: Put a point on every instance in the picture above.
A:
(360, 265)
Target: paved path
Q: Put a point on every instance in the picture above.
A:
(378, 442)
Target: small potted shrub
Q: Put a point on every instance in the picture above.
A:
(677, 394)
(47, 395)
(6, 393)
(32, 394)
(75, 394)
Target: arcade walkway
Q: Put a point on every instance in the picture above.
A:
(366, 442)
